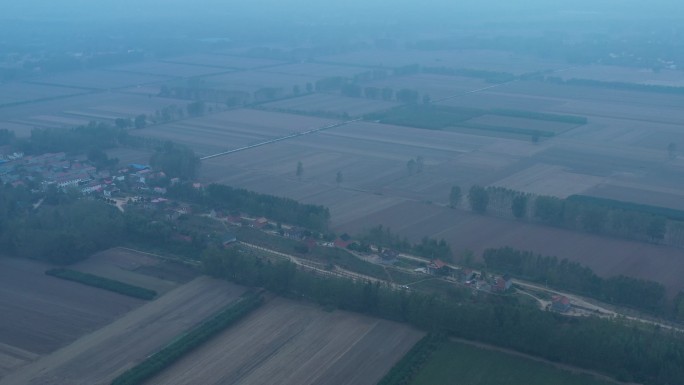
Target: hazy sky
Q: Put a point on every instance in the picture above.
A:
(136, 9)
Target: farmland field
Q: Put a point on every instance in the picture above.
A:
(25, 92)
(317, 69)
(467, 231)
(231, 129)
(297, 344)
(251, 81)
(626, 75)
(330, 103)
(75, 110)
(41, 314)
(98, 79)
(100, 356)
(137, 269)
(435, 86)
(467, 59)
(160, 68)
(464, 364)
(223, 61)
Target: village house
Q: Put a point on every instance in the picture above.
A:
(228, 239)
(560, 303)
(501, 284)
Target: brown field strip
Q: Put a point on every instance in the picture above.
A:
(99, 357)
(287, 342)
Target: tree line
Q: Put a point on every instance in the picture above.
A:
(437, 117)
(581, 213)
(103, 283)
(617, 348)
(562, 274)
(190, 340)
(427, 247)
(221, 197)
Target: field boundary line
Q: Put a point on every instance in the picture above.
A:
(282, 138)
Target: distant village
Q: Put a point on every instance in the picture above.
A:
(139, 184)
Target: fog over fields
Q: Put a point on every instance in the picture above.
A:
(386, 185)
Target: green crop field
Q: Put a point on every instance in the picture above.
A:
(461, 364)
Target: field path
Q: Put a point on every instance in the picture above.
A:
(99, 357)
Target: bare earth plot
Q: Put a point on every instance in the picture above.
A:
(331, 103)
(251, 81)
(40, 313)
(498, 61)
(522, 123)
(436, 86)
(232, 129)
(552, 180)
(286, 342)
(99, 357)
(371, 157)
(136, 268)
(317, 69)
(97, 106)
(98, 79)
(161, 68)
(605, 73)
(225, 61)
(464, 230)
(16, 92)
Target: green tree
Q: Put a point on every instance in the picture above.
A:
(196, 108)
(6, 136)
(140, 121)
(406, 95)
(176, 161)
(411, 166)
(455, 196)
(656, 229)
(300, 170)
(519, 206)
(672, 150)
(479, 199)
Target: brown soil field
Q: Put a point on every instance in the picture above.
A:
(136, 268)
(605, 73)
(468, 59)
(377, 186)
(316, 69)
(96, 106)
(99, 357)
(162, 68)
(332, 103)
(436, 86)
(523, 123)
(225, 61)
(251, 81)
(553, 180)
(40, 313)
(98, 79)
(24, 92)
(287, 342)
(232, 129)
(467, 231)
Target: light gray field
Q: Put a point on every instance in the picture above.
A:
(288, 342)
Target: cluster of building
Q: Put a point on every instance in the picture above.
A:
(51, 169)
(41, 171)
